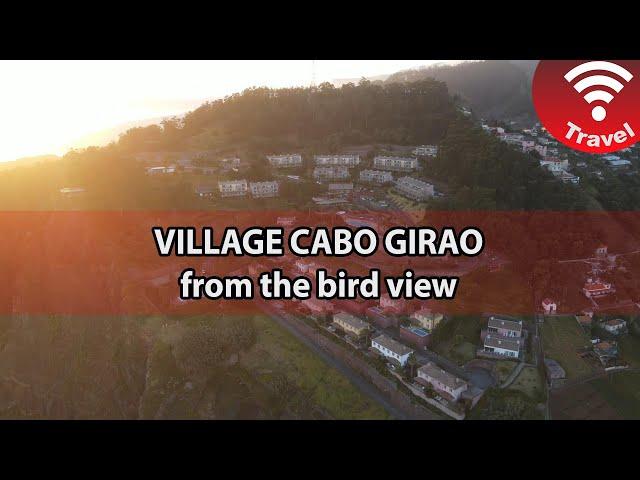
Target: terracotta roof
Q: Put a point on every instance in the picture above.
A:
(615, 322)
(592, 287)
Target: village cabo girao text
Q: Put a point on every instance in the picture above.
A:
(304, 242)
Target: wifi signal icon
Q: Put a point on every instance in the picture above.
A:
(599, 113)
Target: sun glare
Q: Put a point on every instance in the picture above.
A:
(48, 107)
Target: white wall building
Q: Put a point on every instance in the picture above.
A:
(331, 173)
(376, 176)
(392, 349)
(507, 347)
(512, 138)
(161, 170)
(289, 160)
(566, 177)
(340, 188)
(337, 160)
(549, 306)
(615, 326)
(505, 327)
(414, 188)
(395, 163)
(554, 164)
(233, 188)
(204, 190)
(426, 150)
(442, 380)
(264, 189)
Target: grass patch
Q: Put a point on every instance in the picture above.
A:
(630, 350)
(529, 382)
(563, 338)
(277, 351)
(503, 369)
(622, 392)
(457, 338)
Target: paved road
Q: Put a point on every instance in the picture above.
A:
(364, 386)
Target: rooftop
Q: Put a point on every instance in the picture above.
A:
(515, 325)
(434, 371)
(350, 320)
(615, 322)
(498, 341)
(417, 331)
(396, 347)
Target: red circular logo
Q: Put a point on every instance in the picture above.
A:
(592, 106)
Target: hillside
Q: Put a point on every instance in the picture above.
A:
(270, 120)
(480, 171)
(24, 161)
(494, 89)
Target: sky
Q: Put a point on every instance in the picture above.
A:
(47, 107)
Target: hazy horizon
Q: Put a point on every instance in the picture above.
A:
(49, 107)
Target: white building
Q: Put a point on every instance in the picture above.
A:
(285, 221)
(204, 190)
(289, 160)
(340, 188)
(507, 347)
(264, 189)
(615, 326)
(566, 177)
(330, 173)
(233, 188)
(72, 191)
(161, 170)
(392, 349)
(414, 188)
(441, 380)
(512, 138)
(549, 306)
(376, 176)
(395, 163)
(619, 163)
(230, 163)
(426, 150)
(337, 160)
(554, 164)
(597, 288)
(504, 327)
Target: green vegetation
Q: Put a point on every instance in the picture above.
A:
(457, 338)
(563, 340)
(232, 374)
(485, 173)
(629, 346)
(503, 369)
(493, 89)
(497, 404)
(530, 382)
(622, 392)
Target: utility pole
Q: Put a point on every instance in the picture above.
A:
(313, 73)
